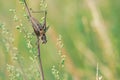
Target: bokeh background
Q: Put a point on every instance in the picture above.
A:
(89, 30)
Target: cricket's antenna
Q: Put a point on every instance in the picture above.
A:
(36, 11)
(27, 8)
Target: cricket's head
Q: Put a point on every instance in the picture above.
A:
(43, 38)
(42, 34)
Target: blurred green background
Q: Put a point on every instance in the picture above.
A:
(90, 34)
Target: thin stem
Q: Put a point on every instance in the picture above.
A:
(40, 62)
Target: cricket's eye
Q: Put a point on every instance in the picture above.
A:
(43, 34)
(40, 29)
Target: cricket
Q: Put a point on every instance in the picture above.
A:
(39, 28)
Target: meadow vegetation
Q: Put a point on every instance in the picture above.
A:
(83, 40)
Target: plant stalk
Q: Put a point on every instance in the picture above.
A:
(39, 60)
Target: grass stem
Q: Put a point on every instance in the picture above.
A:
(39, 60)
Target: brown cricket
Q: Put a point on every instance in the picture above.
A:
(39, 29)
